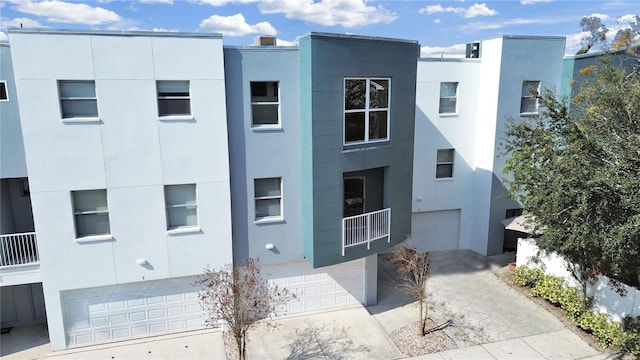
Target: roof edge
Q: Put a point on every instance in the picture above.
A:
(114, 33)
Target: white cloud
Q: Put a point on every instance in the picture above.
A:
(470, 12)
(476, 26)
(64, 12)
(164, 30)
(4, 36)
(530, 2)
(629, 19)
(347, 13)
(280, 42)
(573, 42)
(437, 21)
(222, 2)
(437, 51)
(156, 1)
(25, 22)
(602, 17)
(235, 25)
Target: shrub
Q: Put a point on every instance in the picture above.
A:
(625, 335)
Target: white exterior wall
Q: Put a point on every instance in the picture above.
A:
(434, 131)
(130, 152)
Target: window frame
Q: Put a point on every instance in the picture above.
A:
(367, 111)
(446, 163)
(256, 199)
(79, 238)
(62, 99)
(529, 95)
(277, 125)
(167, 207)
(160, 98)
(455, 97)
(4, 85)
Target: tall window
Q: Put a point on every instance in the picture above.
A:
(181, 205)
(173, 98)
(444, 164)
(78, 99)
(448, 97)
(268, 198)
(265, 104)
(366, 110)
(529, 100)
(91, 213)
(4, 96)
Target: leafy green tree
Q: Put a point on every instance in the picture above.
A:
(578, 173)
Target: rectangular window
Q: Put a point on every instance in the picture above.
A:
(78, 99)
(4, 96)
(265, 103)
(91, 212)
(444, 164)
(173, 98)
(268, 198)
(529, 100)
(448, 97)
(181, 205)
(366, 110)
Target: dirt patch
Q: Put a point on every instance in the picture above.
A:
(410, 343)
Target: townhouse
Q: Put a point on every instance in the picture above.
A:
(132, 160)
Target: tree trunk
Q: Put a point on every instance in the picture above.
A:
(238, 338)
(422, 319)
(244, 345)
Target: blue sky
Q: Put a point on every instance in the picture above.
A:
(437, 25)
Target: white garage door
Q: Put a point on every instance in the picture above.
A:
(435, 230)
(324, 288)
(122, 312)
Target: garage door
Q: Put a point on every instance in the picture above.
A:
(128, 311)
(324, 288)
(435, 230)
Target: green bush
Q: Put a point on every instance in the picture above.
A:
(625, 336)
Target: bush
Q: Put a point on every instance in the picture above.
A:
(625, 335)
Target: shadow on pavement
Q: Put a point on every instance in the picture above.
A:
(322, 342)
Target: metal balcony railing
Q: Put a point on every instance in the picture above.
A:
(18, 249)
(365, 228)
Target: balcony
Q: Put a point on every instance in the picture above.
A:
(18, 250)
(365, 228)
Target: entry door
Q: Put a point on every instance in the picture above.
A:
(353, 196)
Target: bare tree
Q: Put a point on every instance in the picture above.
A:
(239, 296)
(413, 268)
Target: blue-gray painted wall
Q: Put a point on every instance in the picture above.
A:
(264, 153)
(325, 60)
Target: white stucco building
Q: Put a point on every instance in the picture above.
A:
(130, 161)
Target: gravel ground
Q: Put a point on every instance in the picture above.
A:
(410, 343)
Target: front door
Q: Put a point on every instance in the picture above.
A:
(353, 196)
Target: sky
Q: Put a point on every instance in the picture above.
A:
(439, 26)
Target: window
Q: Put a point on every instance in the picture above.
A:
(366, 110)
(265, 103)
(529, 100)
(268, 197)
(91, 213)
(4, 96)
(448, 97)
(444, 164)
(173, 98)
(181, 205)
(78, 99)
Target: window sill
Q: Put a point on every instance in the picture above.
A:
(273, 220)
(455, 114)
(176, 118)
(80, 120)
(445, 179)
(261, 128)
(94, 238)
(529, 114)
(348, 148)
(184, 230)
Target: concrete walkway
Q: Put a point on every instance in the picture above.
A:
(490, 320)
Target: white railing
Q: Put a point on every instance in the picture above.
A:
(18, 249)
(365, 228)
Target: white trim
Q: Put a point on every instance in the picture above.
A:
(455, 112)
(184, 230)
(81, 120)
(452, 163)
(529, 96)
(252, 103)
(175, 118)
(94, 238)
(268, 219)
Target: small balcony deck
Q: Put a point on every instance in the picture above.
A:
(365, 228)
(18, 250)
